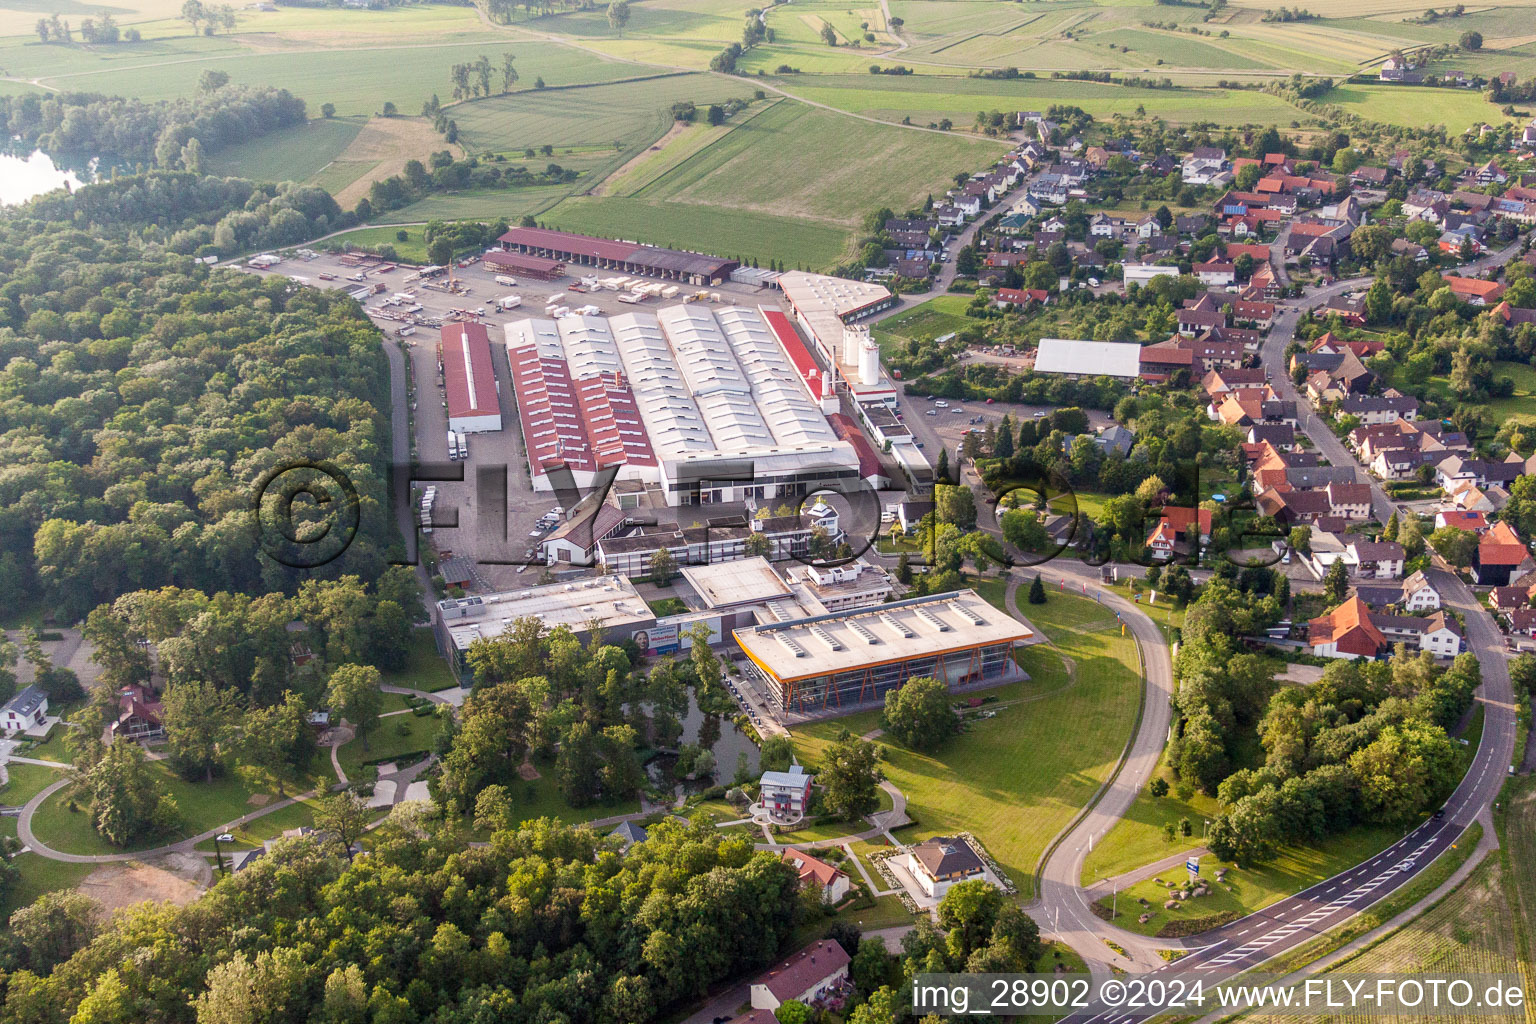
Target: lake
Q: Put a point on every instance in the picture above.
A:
(22, 177)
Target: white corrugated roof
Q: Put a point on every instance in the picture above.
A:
(1090, 358)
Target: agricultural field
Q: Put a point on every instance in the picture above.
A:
(299, 153)
(1015, 780)
(613, 116)
(761, 166)
(1413, 107)
(926, 99)
(702, 228)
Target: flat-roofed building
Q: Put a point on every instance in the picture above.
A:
(841, 588)
(1073, 358)
(611, 600)
(744, 582)
(469, 382)
(828, 309)
(826, 662)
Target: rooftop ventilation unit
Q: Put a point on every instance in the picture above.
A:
(896, 624)
(788, 641)
(970, 613)
(826, 638)
(932, 619)
(864, 633)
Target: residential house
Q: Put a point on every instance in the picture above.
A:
(834, 883)
(938, 863)
(1215, 273)
(1346, 632)
(1439, 634)
(628, 834)
(1508, 599)
(26, 710)
(1419, 595)
(139, 714)
(1179, 531)
(1472, 522)
(786, 794)
(1456, 471)
(812, 976)
(1375, 409)
(1475, 291)
(1499, 556)
(1204, 166)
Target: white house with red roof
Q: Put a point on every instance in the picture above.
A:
(815, 975)
(834, 883)
(1179, 531)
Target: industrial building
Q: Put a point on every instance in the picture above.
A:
(536, 267)
(611, 600)
(828, 308)
(839, 660)
(469, 382)
(703, 404)
(1073, 358)
(625, 257)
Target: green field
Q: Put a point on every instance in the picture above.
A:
(424, 668)
(599, 115)
(405, 739)
(292, 154)
(1245, 890)
(703, 229)
(1017, 779)
(357, 80)
(203, 805)
(1416, 107)
(25, 781)
(761, 166)
(941, 315)
(926, 99)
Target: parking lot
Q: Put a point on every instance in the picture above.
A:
(936, 426)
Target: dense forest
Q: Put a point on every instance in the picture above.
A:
(543, 924)
(143, 395)
(159, 134)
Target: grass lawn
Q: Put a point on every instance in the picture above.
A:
(203, 805)
(882, 912)
(51, 749)
(412, 250)
(26, 781)
(269, 826)
(668, 606)
(404, 737)
(424, 668)
(1245, 890)
(1137, 838)
(541, 799)
(291, 154)
(1416, 107)
(1522, 404)
(719, 229)
(941, 315)
(1015, 780)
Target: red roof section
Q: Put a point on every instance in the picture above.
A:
(468, 379)
(847, 430)
(1349, 628)
(561, 241)
(802, 971)
(789, 340)
(1501, 545)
